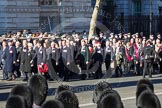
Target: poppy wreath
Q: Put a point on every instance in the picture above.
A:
(43, 68)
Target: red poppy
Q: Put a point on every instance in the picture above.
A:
(43, 68)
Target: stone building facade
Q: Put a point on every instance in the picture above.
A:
(45, 15)
(76, 14)
(19, 14)
(67, 15)
(134, 15)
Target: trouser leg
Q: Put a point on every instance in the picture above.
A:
(98, 73)
(83, 71)
(150, 69)
(18, 73)
(25, 76)
(10, 75)
(100, 70)
(128, 67)
(29, 75)
(117, 70)
(5, 74)
(120, 70)
(144, 69)
(108, 69)
(107, 64)
(137, 67)
(160, 66)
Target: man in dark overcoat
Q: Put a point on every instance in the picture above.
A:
(64, 61)
(40, 55)
(10, 59)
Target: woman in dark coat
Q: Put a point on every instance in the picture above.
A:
(22, 54)
(28, 64)
(21, 58)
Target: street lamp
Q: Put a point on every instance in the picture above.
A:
(150, 16)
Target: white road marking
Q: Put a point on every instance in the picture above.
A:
(123, 99)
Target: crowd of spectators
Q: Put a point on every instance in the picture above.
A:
(34, 95)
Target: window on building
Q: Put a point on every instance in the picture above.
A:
(46, 2)
(137, 7)
(107, 3)
(160, 10)
(93, 2)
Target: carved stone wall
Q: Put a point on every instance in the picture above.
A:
(76, 15)
(19, 14)
(45, 15)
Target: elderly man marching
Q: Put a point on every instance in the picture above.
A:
(10, 59)
(148, 53)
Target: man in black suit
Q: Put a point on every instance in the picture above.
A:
(10, 59)
(108, 55)
(64, 61)
(98, 57)
(21, 58)
(4, 46)
(17, 65)
(53, 54)
(40, 54)
(160, 56)
(148, 53)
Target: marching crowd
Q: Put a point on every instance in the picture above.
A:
(122, 52)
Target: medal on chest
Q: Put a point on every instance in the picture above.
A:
(11, 51)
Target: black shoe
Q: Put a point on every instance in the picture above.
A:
(10, 79)
(50, 79)
(116, 75)
(13, 77)
(83, 77)
(25, 79)
(18, 76)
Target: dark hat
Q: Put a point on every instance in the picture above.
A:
(94, 35)
(97, 42)
(107, 39)
(148, 41)
(144, 37)
(9, 40)
(40, 41)
(85, 36)
(125, 35)
(111, 33)
(58, 39)
(158, 35)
